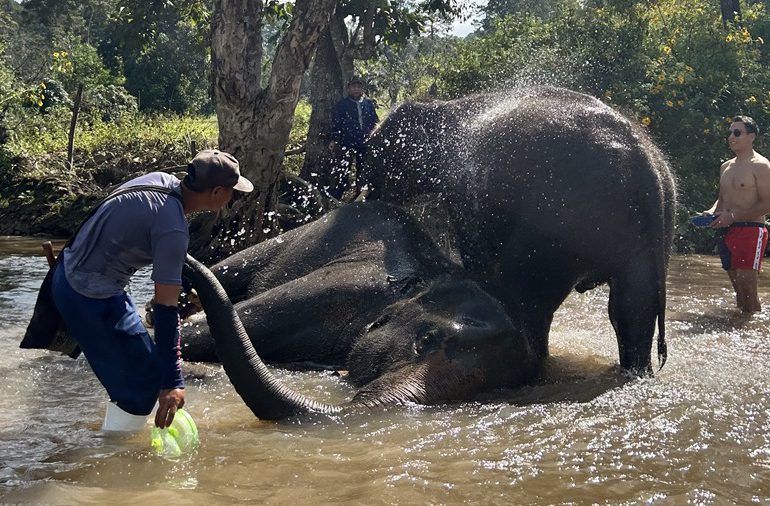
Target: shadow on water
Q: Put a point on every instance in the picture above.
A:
(569, 378)
(718, 320)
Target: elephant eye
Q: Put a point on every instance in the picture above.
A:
(379, 322)
(427, 340)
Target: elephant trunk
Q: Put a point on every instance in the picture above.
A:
(267, 397)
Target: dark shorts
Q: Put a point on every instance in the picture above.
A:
(115, 342)
(742, 246)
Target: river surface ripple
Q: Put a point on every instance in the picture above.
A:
(698, 432)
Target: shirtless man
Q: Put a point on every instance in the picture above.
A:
(744, 200)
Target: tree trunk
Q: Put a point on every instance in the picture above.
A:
(326, 78)
(730, 8)
(254, 123)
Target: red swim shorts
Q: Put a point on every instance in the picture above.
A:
(743, 246)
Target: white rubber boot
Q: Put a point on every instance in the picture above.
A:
(117, 420)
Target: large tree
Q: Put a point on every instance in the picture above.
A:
(255, 121)
(359, 30)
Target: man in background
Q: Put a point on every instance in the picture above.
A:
(744, 200)
(353, 119)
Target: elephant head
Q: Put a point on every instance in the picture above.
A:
(449, 342)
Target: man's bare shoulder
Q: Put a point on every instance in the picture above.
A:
(760, 162)
(726, 164)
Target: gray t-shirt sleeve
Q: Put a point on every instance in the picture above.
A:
(169, 239)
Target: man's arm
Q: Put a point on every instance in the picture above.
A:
(168, 347)
(168, 295)
(374, 114)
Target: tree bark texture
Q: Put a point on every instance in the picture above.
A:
(254, 123)
(326, 85)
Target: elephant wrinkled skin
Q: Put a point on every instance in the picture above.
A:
(548, 190)
(362, 288)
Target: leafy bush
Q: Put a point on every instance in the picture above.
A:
(53, 94)
(111, 102)
(171, 73)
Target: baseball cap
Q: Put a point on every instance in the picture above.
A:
(212, 167)
(356, 79)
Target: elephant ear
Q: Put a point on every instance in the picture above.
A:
(407, 285)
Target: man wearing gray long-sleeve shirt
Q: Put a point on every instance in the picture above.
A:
(129, 231)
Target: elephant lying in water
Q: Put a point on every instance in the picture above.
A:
(362, 288)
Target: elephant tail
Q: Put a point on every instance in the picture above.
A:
(660, 217)
(662, 347)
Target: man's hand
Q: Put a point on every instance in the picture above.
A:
(168, 402)
(724, 219)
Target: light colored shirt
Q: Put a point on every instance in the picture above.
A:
(126, 233)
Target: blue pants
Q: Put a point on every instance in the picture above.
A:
(115, 342)
(342, 167)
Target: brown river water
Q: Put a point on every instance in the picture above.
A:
(698, 432)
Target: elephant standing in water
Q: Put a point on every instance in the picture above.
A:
(362, 288)
(548, 190)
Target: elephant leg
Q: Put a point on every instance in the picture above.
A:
(537, 305)
(633, 309)
(537, 276)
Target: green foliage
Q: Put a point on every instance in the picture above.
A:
(75, 62)
(298, 136)
(53, 94)
(45, 135)
(162, 48)
(395, 21)
(670, 63)
(171, 74)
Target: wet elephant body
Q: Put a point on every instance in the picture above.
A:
(548, 190)
(305, 295)
(364, 288)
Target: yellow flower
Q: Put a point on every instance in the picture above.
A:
(680, 79)
(752, 99)
(706, 131)
(745, 35)
(666, 50)
(669, 103)
(680, 103)
(729, 37)
(646, 121)
(661, 77)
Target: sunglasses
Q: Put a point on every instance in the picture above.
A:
(736, 133)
